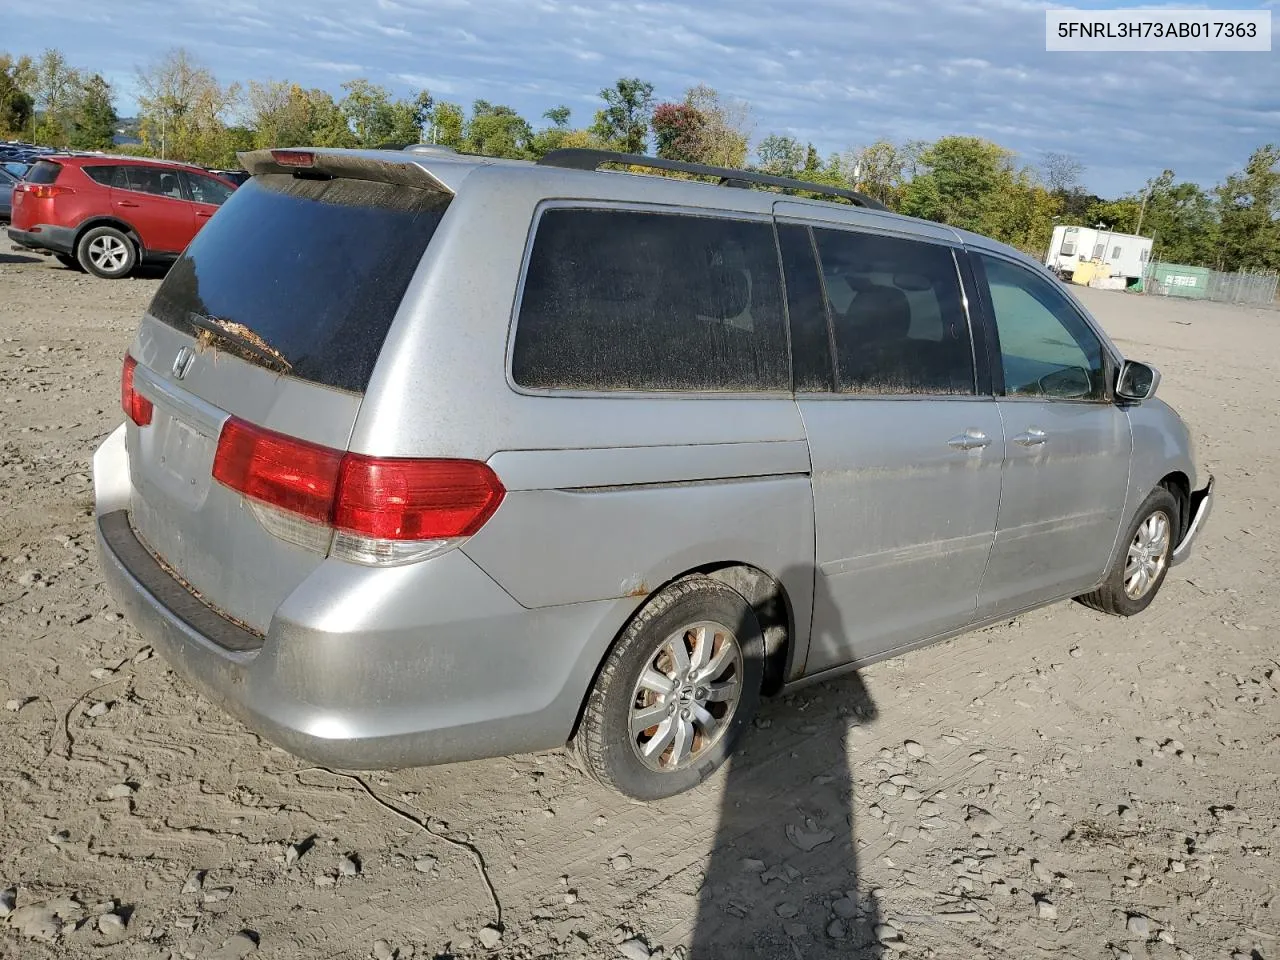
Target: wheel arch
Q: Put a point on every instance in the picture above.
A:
(1179, 484)
(109, 221)
(768, 599)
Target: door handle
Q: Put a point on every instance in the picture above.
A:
(125, 203)
(969, 440)
(201, 213)
(1032, 438)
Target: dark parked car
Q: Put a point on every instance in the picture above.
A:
(108, 213)
(7, 183)
(235, 176)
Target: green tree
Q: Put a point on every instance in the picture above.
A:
(963, 184)
(497, 131)
(409, 117)
(446, 124)
(326, 124)
(554, 137)
(369, 112)
(812, 162)
(17, 106)
(623, 123)
(55, 90)
(879, 170)
(1249, 204)
(93, 124)
(780, 155)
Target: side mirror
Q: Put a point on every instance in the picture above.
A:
(1137, 382)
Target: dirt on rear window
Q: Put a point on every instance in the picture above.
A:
(307, 274)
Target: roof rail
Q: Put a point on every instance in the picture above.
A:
(428, 148)
(584, 159)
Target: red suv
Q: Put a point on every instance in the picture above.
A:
(108, 214)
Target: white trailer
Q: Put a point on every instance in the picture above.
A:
(1116, 254)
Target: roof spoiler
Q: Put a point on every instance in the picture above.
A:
(350, 165)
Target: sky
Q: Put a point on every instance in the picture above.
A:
(838, 73)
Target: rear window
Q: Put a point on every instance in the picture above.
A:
(625, 300)
(44, 171)
(312, 271)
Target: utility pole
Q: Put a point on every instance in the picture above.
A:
(1142, 212)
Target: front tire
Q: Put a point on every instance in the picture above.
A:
(676, 692)
(1143, 562)
(107, 253)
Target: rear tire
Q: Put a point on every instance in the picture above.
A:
(676, 692)
(107, 253)
(1143, 560)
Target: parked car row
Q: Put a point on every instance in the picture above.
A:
(107, 214)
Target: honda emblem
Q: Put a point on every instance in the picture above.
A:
(182, 362)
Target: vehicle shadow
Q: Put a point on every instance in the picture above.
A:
(6, 258)
(782, 876)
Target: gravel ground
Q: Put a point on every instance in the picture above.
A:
(1065, 785)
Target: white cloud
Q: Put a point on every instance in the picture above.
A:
(841, 74)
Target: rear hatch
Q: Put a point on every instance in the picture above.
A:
(251, 364)
(33, 198)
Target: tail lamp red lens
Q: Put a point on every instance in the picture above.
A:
(45, 191)
(282, 471)
(136, 407)
(380, 498)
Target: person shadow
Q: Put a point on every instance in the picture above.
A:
(782, 877)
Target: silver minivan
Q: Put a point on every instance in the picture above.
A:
(431, 457)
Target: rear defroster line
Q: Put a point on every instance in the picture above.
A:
(476, 856)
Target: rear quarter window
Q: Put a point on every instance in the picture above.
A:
(102, 174)
(636, 301)
(314, 270)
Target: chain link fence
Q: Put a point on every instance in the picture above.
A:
(1201, 283)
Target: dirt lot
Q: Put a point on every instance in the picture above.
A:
(1075, 786)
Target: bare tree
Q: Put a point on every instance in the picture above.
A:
(183, 106)
(1061, 172)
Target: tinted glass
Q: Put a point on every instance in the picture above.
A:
(6, 177)
(101, 174)
(44, 171)
(313, 270)
(155, 180)
(1046, 347)
(207, 189)
(811, 365)
(897, 315)
(621, 300)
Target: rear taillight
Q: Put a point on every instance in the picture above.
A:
(45, 191)
(382, 511)
(136, 407)
(415, 499)
(290, 474)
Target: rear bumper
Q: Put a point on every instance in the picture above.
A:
(370, 669)
(45, 237)
(1201, 507)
